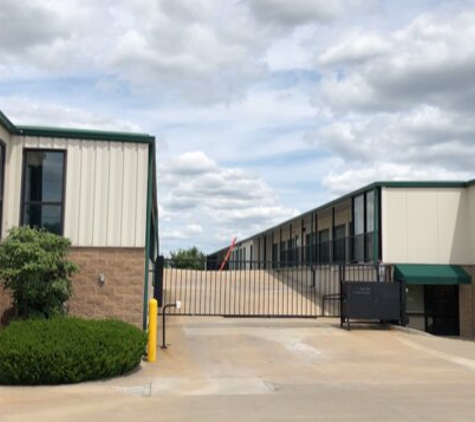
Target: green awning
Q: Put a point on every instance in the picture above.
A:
(431, 274)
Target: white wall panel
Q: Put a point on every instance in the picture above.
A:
(116, 183)
(35, 142)
(59, 143)
(5, 138)
(422, 225)
(129, 209)
(106, 189)
(394, 225)
(13, 184)
(101, 194)
(141, 194)
(73, 191)
(4, 135)
(425, 225)
(471, 213)
(86, 196)
(454, 241)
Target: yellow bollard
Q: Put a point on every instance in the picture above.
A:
(152, 330)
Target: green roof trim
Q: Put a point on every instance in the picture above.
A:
(6, 123)
(431, 274)
(85, 134)
(82, 134)
(424, 184)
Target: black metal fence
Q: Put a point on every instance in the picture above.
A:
(255, 288)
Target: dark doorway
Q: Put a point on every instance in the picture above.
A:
(442, 310)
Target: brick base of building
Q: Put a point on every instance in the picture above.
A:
(121, 294)
(466, 305)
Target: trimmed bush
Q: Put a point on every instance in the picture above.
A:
(34, 265)
(68, 350)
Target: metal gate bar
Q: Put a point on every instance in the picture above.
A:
(256, 288)
(248, 289)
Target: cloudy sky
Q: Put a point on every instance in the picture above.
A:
(262, 109)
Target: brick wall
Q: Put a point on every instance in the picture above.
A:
(121, 296)
(466, 306)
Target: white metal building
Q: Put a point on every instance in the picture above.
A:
(99, 190)
(424, 232)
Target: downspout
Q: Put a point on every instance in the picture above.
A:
(376, 218)
(332, 242)
(147, 233)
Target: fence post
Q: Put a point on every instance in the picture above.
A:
(341, 270)
(158, 280)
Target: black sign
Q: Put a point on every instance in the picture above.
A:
(372, 300)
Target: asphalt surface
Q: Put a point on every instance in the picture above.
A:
(218, 369)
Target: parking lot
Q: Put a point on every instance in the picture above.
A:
(272, 370)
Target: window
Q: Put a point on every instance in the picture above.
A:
(282, 251)
(275, 254)
(290, 252)
(2, 177)
(43, 189)
(363, 226)
(324, 246)
(339, 244)
(369, 225)
(310, 247)
(359, 227)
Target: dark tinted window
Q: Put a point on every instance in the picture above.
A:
(43, 201)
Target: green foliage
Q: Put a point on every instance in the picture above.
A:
(191, 258)
(34, 265)
(67, 350)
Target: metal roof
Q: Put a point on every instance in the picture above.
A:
(387, 184)
(84, 134)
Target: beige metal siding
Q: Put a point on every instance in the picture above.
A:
(425, 225)
(4, 135)
(106, 190)
(5, 139)
(471, 217)
(11, 211)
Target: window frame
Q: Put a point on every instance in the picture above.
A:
(3, 149)
(324, 246)
(366, 238)
(62, 204)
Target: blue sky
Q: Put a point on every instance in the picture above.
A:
(262, 109)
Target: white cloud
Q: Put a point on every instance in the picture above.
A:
(20, 30)
(421, 135)
(296, 12)
(22, 110)
(430, 61)
(202, 50)
(355, 178)
(187, 232)
(355, 48)
(379, 90)
(226, 201)
(190, 163)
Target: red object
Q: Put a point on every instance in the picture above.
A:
(228, 254)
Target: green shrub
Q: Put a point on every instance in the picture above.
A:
(68, 350)
(34, 265)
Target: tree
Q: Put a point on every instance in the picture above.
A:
(191, 258)
(34, 265)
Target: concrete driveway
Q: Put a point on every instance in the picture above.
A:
(272, 370)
